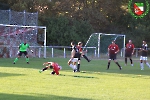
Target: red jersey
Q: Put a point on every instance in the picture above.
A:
(113, 48)
(129, 47)
(79, 49)
(56, 67)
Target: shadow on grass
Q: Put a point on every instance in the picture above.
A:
(78, 76)
(141, 74)
(94, 67)
(9, 74)
(4, 96)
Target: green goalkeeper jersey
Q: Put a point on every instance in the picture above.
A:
(23, 47)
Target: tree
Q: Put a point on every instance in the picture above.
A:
(61, 31)
(105, 16)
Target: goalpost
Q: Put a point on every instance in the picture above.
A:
(12, 35)
(102, 40)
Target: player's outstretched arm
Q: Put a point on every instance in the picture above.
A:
(140, 50)
(45, 63)
(117, 51)
(30, 49)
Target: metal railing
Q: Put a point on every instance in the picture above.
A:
(49, 51)
(136, 52)
(54, 51)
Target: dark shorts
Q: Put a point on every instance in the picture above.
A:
(22, 52)
(79, 58)
(77, 55)
(128, 54)
(112, 56)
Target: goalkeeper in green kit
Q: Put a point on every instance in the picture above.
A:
(23, 50)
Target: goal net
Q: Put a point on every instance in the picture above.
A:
(12, 35)
(101, 41)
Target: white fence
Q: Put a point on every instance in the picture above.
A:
(136, 52)
(50, 51)
(55, 51)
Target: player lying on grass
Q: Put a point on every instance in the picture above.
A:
(51, 65)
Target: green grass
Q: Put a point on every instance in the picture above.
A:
(22, 81)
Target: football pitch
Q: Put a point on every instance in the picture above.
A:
(23, 81)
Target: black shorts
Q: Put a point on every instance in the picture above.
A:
(77, 55)
(79, 58)
(112, 56)
(128, 54)
(22, 52)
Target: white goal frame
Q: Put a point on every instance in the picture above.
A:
(21, 26)
(99, 41)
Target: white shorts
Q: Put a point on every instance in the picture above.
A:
(143, 58)
(74, 60)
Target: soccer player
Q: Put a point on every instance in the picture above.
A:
(51, 65)
(75, 55)
(82, 52)
(113, 49)
(129, 51)
(23, 50)
(143, 57)
(79, 47)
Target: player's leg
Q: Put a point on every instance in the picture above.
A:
(117, 64)
(147, 64)
(114, 58)
(141, 63)
(75, 67)
(125, 59)
(109, 61)
(131, 61)
(108, 65)
(130, 58)
(85, 57)
(145, 61)
(78, 66)
(27, 57)
(70, 63)
(45, 68)
(17, 58)
(53, 72)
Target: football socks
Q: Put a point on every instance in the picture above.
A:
(86, 58)
(131, 61)
(45, 68)
(118, 65)
(125, 60)
(27, 59)
(16, 59)
(78, 68)
(108, 65)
